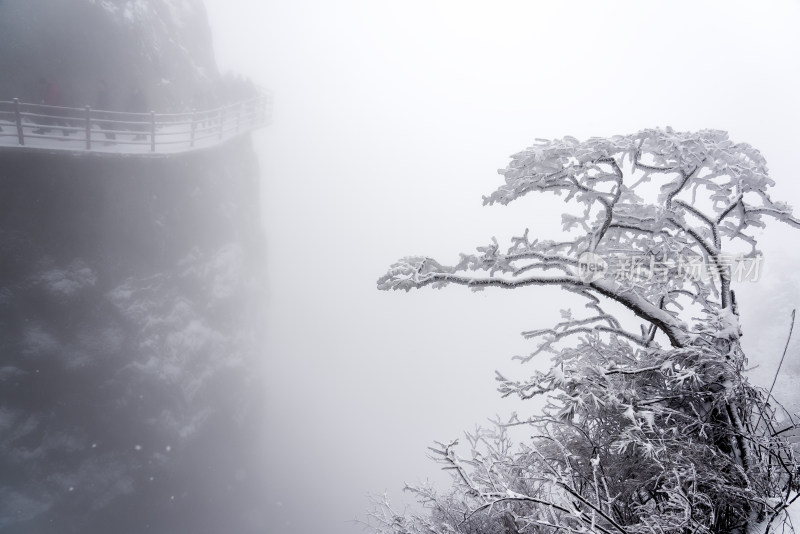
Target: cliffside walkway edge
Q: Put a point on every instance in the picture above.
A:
(39, 126)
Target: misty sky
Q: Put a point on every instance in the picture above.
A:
(390, 121)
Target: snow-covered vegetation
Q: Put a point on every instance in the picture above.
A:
(649, 430)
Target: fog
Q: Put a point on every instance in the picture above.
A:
(390, 120)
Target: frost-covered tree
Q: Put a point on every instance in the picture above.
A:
(655, 430)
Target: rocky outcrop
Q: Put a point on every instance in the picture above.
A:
(131, 294)
(163, 47)
(130, 320)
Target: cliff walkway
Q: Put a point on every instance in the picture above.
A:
(26, 126)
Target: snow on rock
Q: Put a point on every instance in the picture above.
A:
(180, 345)
(221, 272)
(36, 341)
(129, 319)
(68, 281)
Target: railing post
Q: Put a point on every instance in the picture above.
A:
(152, 131)
(221, 122)
(18, 120)
(88, 128)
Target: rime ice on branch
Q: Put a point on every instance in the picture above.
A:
(711, 192)
(636, 437)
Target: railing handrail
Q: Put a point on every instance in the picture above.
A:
(260, 97)
(34, 122)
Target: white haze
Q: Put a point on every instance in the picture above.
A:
(390, 120)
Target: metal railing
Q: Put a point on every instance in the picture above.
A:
(85, 129)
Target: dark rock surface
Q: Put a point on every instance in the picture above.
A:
(163, 47)
(129, 343)
(130, 292)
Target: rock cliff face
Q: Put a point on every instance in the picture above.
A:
(129, 326)
(161, 46)
(130, 296)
